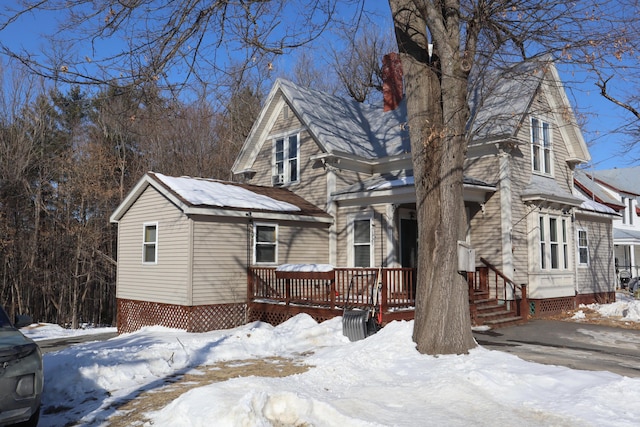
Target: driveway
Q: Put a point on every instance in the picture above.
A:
(572, 344)
(55, 344)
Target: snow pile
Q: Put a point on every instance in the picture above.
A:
(43, 331)
(379, 381)
(625, 308)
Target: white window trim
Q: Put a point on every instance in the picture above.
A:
(561, 243)
(286, 167)
(145, 243)
(255, 242)
(542, 160)
(351, 237)
(586, 231)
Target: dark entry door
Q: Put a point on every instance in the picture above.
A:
(409, 242)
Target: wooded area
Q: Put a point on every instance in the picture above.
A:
(68, 159)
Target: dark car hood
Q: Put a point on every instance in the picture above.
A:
(14, 345)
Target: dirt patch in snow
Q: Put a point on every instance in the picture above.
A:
(132, 412)
(591, 316)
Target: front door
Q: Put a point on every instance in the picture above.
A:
(409, 242)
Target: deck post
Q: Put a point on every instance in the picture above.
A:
(287, 290)
(384, 296)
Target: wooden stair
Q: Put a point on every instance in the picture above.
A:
(491, 312)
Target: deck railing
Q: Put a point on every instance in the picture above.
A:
(331, 289)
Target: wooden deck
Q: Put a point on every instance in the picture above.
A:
(274, 296)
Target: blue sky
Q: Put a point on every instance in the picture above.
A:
(602, 117)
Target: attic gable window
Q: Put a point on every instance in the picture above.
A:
(150, 243)
(541, 153)
(286, 154)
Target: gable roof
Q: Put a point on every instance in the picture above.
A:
(223, 198)
(623, 180)
(500, 99)
(340, 126)
(593, 190)
(343, 127)
(500, 103)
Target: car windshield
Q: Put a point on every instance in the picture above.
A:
(4, 319)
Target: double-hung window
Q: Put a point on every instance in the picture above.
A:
(361, 235)
(554, 248)
(541, 154)
(150, 243)
(265, 248)
(286, 156)
(583, 248)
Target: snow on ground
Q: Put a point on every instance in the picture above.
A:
(379, 381)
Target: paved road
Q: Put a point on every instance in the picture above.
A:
(56, 344)
(575, 345)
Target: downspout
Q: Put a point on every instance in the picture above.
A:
(249, 296)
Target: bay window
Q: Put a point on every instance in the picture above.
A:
(554, 248)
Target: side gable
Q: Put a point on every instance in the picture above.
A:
(259, 131)
(500, 104)
(561, 108)
(197, 196)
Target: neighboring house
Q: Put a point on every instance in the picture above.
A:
(618, 188)
(352, 163)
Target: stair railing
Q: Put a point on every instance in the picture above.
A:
(518, 292)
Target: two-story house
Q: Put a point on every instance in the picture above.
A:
(352, 162)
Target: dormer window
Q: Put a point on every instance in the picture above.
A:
(286, 152)
(541, 154)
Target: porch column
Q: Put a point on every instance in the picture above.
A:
(332, 209)
(506, 218)
(392, 255)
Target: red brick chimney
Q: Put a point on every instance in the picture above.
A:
(391, 81)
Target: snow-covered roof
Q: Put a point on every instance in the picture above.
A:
(591, 205)
(547, 189)
(344, 126)
(399, 179)
(499, 100)
(214, 197)
(209, 192)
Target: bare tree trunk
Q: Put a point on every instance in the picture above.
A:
(442, 322)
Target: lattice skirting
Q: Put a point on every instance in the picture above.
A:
(551, 306)
(133, 315)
